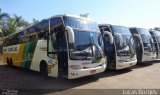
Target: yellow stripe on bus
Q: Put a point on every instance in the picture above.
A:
(16, 57)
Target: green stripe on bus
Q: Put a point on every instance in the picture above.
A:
(28, 53)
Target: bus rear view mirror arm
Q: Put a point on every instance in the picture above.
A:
(139, 37)
(70, 33)
(120, 38)
(110, 36)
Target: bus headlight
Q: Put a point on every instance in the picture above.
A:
(76, 67)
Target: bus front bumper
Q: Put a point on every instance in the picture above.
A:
(150, 57)
(73, 73)
(126, 65)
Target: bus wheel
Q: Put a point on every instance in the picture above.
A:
(8, 62)
(11, 62)
(44, 69)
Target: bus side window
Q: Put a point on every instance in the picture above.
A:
(46, 34)
(21, 37)
(5, 42)
(40, 35)
(52, 44)
(33, 37)
(43, 35)
(26, 39)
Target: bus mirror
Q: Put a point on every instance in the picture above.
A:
(70, 34)
(139, 37)
(50, 48)
(100, 40)
(120, 38)
(110, 36)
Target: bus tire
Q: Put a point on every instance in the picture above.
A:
(11, 62)
(44, 69)
(8, 62)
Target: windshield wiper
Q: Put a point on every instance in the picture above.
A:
(91, 48)
(86, 51)
(83, 50)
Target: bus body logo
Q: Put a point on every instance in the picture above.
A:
(11, 49)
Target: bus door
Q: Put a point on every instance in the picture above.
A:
(138, 48)
(109, 49)
(155, 42)
(57, 46)
(62, 51)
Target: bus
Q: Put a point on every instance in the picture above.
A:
(118, 46)
(144, 44)
(156, 38)
(61, 46)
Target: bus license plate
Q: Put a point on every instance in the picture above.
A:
(93, 71)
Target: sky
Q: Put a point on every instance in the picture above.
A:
(130, 13)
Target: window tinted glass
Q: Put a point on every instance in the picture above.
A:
(81, 24)
(146, 36)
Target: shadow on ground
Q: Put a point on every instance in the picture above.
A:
(156, 61)
(31, 82)
(110, 72)
(144, 64)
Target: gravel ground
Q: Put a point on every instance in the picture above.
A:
(144, 76)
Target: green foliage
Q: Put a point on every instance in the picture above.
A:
(3, 17)
(9, 25)
(35, 21)
(10, 28)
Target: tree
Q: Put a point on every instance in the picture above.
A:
(35, 21)
(3, 19)
(3, 15)
(14, 24)
(10, 28)
(21, 23)
(11, 24)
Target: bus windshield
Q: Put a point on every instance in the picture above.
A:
(146, 36)
(147, 40)
(81, 24)
(86, 35)
(127, 48)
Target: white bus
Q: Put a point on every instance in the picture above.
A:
(156, 38)
(119, 46)
(61, 46)
(145, 47)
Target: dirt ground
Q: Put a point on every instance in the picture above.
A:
(144, 76)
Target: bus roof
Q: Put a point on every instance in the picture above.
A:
(137, 28)
(153, 30)
(69, 15)
(60, 15)
(111, 25)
